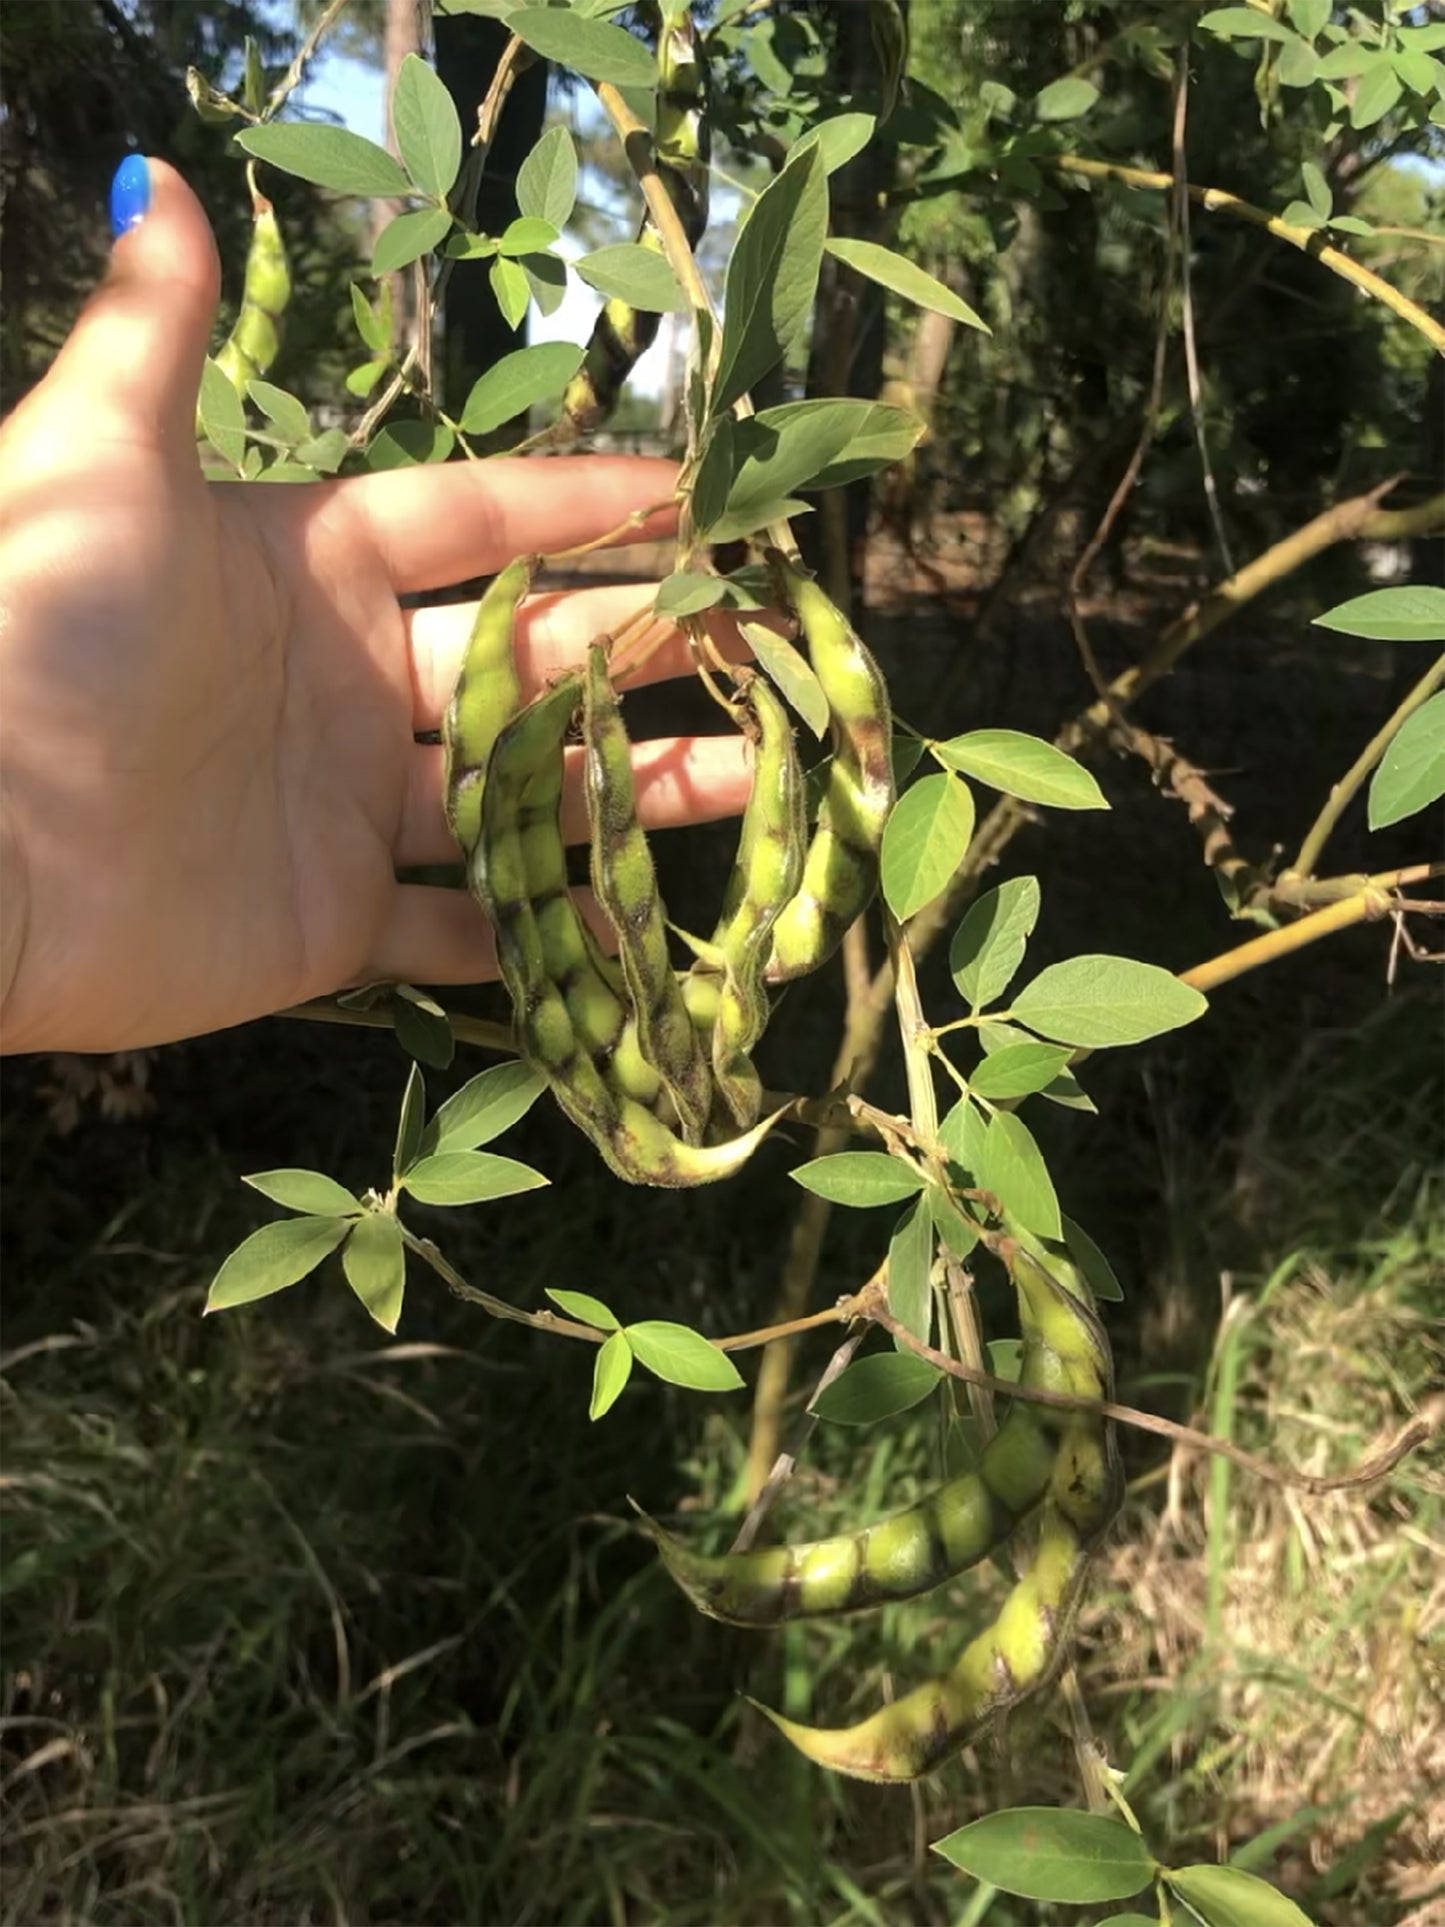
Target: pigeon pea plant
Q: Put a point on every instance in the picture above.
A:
(652, 1060)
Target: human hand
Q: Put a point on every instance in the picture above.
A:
(209, 693)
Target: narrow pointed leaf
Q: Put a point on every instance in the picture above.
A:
(328, 157)
(309, 1191)
(411, 1123)
(1097, 1270)
(547, 179)
(902, 276)
(517, 382)
(469, 1177)
(1228, 1897)
(1411, 775)
(859, 1178)
(585, 1309)
(610, 1375)
(528, 234)
(840, 139)
(682, 1356)
(635, 274)
(772, 276)
(1414, 613)
(286, 414)
(1052, 1853)
(877, 1387)
(589, 47)
(374, 1260)
(408, 238)
(910, 1265)
(793, 674)
(1014, 1170)
(1023, 766)
(274, 1257)
(1019, 1070)
(1101, 1001)
(428, 133)
(926, 839)
(988, 946)
(490, 1103)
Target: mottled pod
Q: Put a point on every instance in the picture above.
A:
(487, 695)
(840, 874)
(255, 341)
(624, 881)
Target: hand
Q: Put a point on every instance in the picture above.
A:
(209, 694)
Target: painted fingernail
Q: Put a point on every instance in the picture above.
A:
(130, 194)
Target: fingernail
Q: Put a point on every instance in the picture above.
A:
(130, 194)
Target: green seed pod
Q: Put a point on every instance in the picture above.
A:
(570, 1024)
(487, 695)
(625, 883)
(255, 341)
(840, 875)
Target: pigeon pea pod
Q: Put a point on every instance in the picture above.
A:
(571, 1025)
(487, 695)
(914, 1551)
(255, 341)
(1027, 1643)
(766, 875)
(624, 881)
(840, 874)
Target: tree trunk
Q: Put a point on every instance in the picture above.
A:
(404, 35)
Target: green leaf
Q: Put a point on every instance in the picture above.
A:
(714, 473)
(1301, 214)
(485, 1106)
(635, 274)
(1317, 189)
(221, 416)
(688, 593)
(528, 234)
(326, 451)
(586, 1309)
(1023, 766)
(959, 1233)
(1345, 62)
(772, 276)
(1131, 1920)
(962, 1135)
(411, 1122)
(1298, 64)
(428, 133)
(1065, 1089)
(1099, 1001)
(792, 673)
(1242, 23)
(587, 47)
(362, 380)
(464, 246)
(328, 157)
(286, 414)
(926, 839)
(910, 1265)
(1351, 224)
(512, 289)
(1019, 1070)
(423, 1028)
(682, 1356)
(1377, 93)
(1412, 773)
(1310, 16)
(1098, 1272)
(839, 139)
(409, 444)
(469, 1177)
(1227, 1897)
(905, 753)
(547, 179)
(283, 471)
(989, 945)
(905, 277)
(807, 444)
(1066, 99)
(1420, 73)
(515, 383)
(860, 1178)
(374, 327)
(1051, 1853)
(374, 1260)
(309, 1191)
(1415, 613)
(274, 1257)
(547, 278)
(1013, 1169)
(877, 1387)
(610, 1375)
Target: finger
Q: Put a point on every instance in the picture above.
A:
(447, 521)
(132, 364)
(553, 631)
(680, 780)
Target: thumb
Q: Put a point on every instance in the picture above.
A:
(132, 364)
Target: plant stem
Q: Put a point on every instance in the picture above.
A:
(296, 71)
(1343, 791)
(1308, 240)
(467, 1030)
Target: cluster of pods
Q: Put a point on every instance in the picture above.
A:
(652, 1063)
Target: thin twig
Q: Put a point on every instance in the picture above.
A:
(467, 1030)
(1307, 240)
(786, 1462)
(1340, 796)
(294, 74)
(1191, 351)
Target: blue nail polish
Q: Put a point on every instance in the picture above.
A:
(130, 194)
